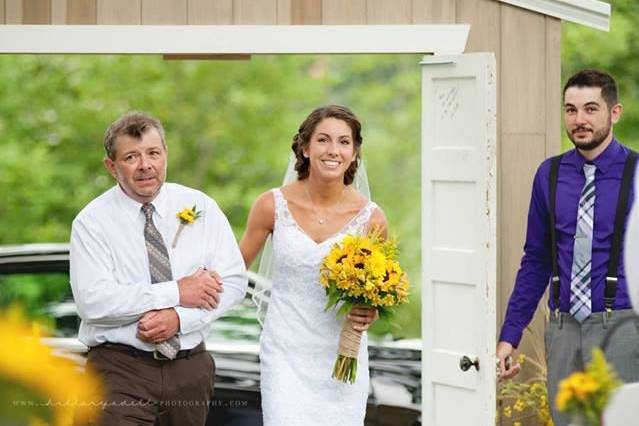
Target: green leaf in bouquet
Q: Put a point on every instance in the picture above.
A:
(345, 308)
(333, 296)
(385, 314)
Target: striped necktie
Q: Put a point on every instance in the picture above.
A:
(580, 276)
(160, 269)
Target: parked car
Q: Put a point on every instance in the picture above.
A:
(395, 390)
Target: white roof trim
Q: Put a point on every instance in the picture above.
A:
(592, 13)
(233, 39)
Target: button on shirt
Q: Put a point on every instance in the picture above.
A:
(536, 265)
(109, 267)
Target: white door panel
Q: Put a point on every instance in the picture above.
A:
(459, 239)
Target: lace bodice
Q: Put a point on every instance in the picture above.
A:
(299, 340)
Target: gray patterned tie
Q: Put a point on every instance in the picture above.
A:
(580, 291)
(160, 269)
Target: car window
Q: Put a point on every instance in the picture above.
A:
(238, 324)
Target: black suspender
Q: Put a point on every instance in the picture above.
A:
(615, 249)
(620, 220)
(552, 181)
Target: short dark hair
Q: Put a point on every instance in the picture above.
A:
(303, 137)
(595, 78)
(134, 124)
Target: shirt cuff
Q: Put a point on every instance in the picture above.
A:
(511, 335)
(190, 319)
(165, 295)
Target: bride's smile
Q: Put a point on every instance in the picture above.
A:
(331, 164)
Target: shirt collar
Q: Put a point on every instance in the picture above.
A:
(603, 161)
(133, 208)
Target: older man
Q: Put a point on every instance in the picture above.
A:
(143, 256)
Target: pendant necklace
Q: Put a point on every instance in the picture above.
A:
(323, 220)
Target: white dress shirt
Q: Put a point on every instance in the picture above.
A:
(109, 266)
(631, 249)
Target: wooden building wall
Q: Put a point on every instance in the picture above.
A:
(527, 46)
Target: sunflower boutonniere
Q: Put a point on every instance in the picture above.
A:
(186, 216)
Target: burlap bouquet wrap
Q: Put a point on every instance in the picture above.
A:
(347, 352)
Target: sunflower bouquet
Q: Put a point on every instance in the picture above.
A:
(361, 270)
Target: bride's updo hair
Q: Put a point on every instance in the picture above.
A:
(303, 137)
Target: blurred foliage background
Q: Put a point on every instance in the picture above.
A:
(229, 126)
(616, 52)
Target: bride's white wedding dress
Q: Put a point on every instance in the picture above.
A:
(298, 345)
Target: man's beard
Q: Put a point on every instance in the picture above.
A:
(597, 138)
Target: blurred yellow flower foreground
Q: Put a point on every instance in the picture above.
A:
(585, 394)
(36, 386)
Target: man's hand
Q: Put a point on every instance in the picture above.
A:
(201, 289)
(504, 351)
(362, 317)
(158, 326)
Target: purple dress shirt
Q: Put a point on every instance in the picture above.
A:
(536, 267)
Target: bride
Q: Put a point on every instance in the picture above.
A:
(305, 217)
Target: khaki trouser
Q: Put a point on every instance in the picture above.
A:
(141, 390)
(569, 347)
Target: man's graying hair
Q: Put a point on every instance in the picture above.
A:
(134, 124)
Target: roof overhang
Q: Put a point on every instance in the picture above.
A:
(233, 39)
(591, 13)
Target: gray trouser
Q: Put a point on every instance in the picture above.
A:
(569, 347)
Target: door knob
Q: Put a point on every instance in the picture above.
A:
(465, 363)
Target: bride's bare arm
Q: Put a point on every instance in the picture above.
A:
(377, 223)
(258, 226)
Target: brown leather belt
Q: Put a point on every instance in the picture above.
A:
(185, 353)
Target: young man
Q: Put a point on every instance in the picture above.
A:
(575, 259)
(144, 282)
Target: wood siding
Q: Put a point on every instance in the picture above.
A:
(119, 12)
(164, 12)
(82, 12)
(36, 12)
(306, 12)
(13, 12)
(58, 12)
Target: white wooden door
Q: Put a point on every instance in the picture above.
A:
(459, 252)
